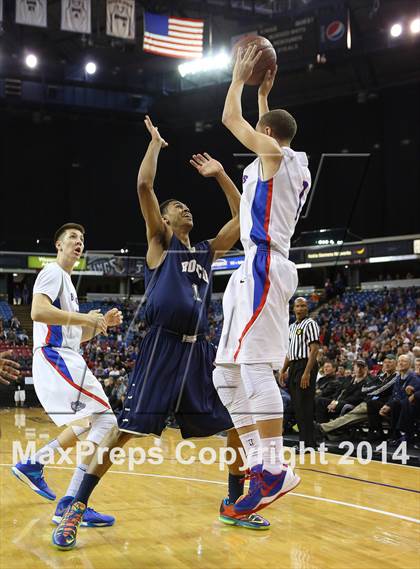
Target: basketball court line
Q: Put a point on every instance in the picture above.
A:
(217, 482)
(357, 479)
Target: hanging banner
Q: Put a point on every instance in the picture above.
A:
(116, 266)
(41, 261)
(75, 16)
(1, 10)
(333, 24)
(31, 12)
(293, 41)
(120, 18)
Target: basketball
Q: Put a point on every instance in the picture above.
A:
(267, 60)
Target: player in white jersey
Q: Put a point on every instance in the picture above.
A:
(255, 304)
(64, 384)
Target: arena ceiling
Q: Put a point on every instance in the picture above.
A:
(123, 66)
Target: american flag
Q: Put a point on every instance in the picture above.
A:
(173, 37)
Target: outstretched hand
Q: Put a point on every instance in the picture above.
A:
(267, 83)
(206, 165)
(113, 317)
(154, 132)
(9, 369)
(246, 60)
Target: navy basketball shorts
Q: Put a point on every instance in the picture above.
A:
(173, 377)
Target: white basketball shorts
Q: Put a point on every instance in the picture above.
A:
(256, 310)
(65, 386)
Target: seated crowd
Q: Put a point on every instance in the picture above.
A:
(369, 363)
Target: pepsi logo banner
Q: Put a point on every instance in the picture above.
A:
(333, 29)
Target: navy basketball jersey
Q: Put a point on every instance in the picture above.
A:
(179, 290)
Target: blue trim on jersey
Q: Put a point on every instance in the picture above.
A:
(259, 272)
(56, 332)
(55, 358)
(258, 210)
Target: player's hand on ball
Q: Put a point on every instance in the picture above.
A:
(154, 132)
(96, 320)
(113, 317)
(245, 63)
(9, 369)
(206, 165)
(268, 82)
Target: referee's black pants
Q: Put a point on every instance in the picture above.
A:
(303, 400)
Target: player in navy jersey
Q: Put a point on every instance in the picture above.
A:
(173, 371)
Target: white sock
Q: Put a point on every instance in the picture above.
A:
(46, 450)
(76, 480)
(252, 444)
(273, 454)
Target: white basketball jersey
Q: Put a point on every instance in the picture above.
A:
(56, 283)
(270, 209)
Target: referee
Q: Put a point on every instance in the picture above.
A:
(302, 370)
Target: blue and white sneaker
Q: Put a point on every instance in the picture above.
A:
(91, 518)
(265, 488)
(33, 476)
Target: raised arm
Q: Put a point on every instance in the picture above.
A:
(230, 232)
(232, 118)
(149, 204)
(264, 90)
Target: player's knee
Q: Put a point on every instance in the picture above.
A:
(225, 381)
(102, 425)
(228, 383)
(79, 430)
(266, 399)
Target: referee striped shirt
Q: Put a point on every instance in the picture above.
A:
(301, 335)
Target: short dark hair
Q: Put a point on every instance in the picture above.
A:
(281, 122)
(64, 228)
(163, 207)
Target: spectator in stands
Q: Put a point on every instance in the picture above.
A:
(25, 293)
(23, 337)
(374, 393)
(409, 414)
(341, 372)
(17, 294)
(346, 398)
(405, 378)
(328, 385)
(20, 394)
(329, 289)
(406, 349)
(114, 372)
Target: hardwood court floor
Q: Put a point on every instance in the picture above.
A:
(341, 516)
